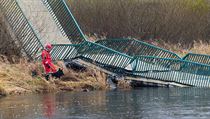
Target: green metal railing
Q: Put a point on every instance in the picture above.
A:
(134, 47)
(92, 52)
(199, 58)
(26, 37)
(65, 20)
(146, 60)
(64, 51)
(174, 70)
(112, 54)
(102, 55)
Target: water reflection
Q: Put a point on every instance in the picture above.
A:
(144, 103)
(48, 105)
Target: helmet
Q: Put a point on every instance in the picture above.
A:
(48, 47)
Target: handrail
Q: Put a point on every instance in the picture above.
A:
(25, 34)
(71, 29)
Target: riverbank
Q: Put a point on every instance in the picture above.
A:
(16, 79)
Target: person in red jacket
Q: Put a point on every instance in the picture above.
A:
(47, 61)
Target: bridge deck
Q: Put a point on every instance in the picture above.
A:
(165, 83)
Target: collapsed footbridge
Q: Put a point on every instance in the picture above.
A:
(30, 20)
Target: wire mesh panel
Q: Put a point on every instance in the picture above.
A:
(134, 47)
(64, 51)
(146, 60)
(174, 70)
(199, 58)
(103, 55)
(65, 20)
(68, 26)
(42, 22)
(24, 32)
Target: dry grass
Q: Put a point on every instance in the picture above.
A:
(90, 79)
(174, 21)
(16, 79)
(123, 84)
(164, 19)
(2, 91)
(198, 47)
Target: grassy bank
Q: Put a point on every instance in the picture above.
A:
(17, 79)
(173, 21)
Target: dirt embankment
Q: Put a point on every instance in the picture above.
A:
(17, 79)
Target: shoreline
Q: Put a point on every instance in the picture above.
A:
(52, 86)
(16, 79)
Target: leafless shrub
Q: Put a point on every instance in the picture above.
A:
(173, 21)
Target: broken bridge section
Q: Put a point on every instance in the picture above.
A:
(42, 22)
(29, 20)
(25, 35)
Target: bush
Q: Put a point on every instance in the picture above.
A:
(183, 21)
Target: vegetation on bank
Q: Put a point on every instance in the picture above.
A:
(16, 72)
(182, 22)
(17, 79)
(181, 26)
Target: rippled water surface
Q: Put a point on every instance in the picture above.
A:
(144, 103)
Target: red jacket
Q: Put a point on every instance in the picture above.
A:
(47, 62)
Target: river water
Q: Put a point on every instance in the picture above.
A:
(142, 103)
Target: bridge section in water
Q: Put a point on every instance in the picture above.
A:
(129, 58)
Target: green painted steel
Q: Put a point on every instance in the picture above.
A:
(64, 51)
(199, 58)
(102, 55)
(59, 10)
(174, 70)
(115, 55)
(26, 37)
(134, 47)
(92, 52)
(65, 20)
